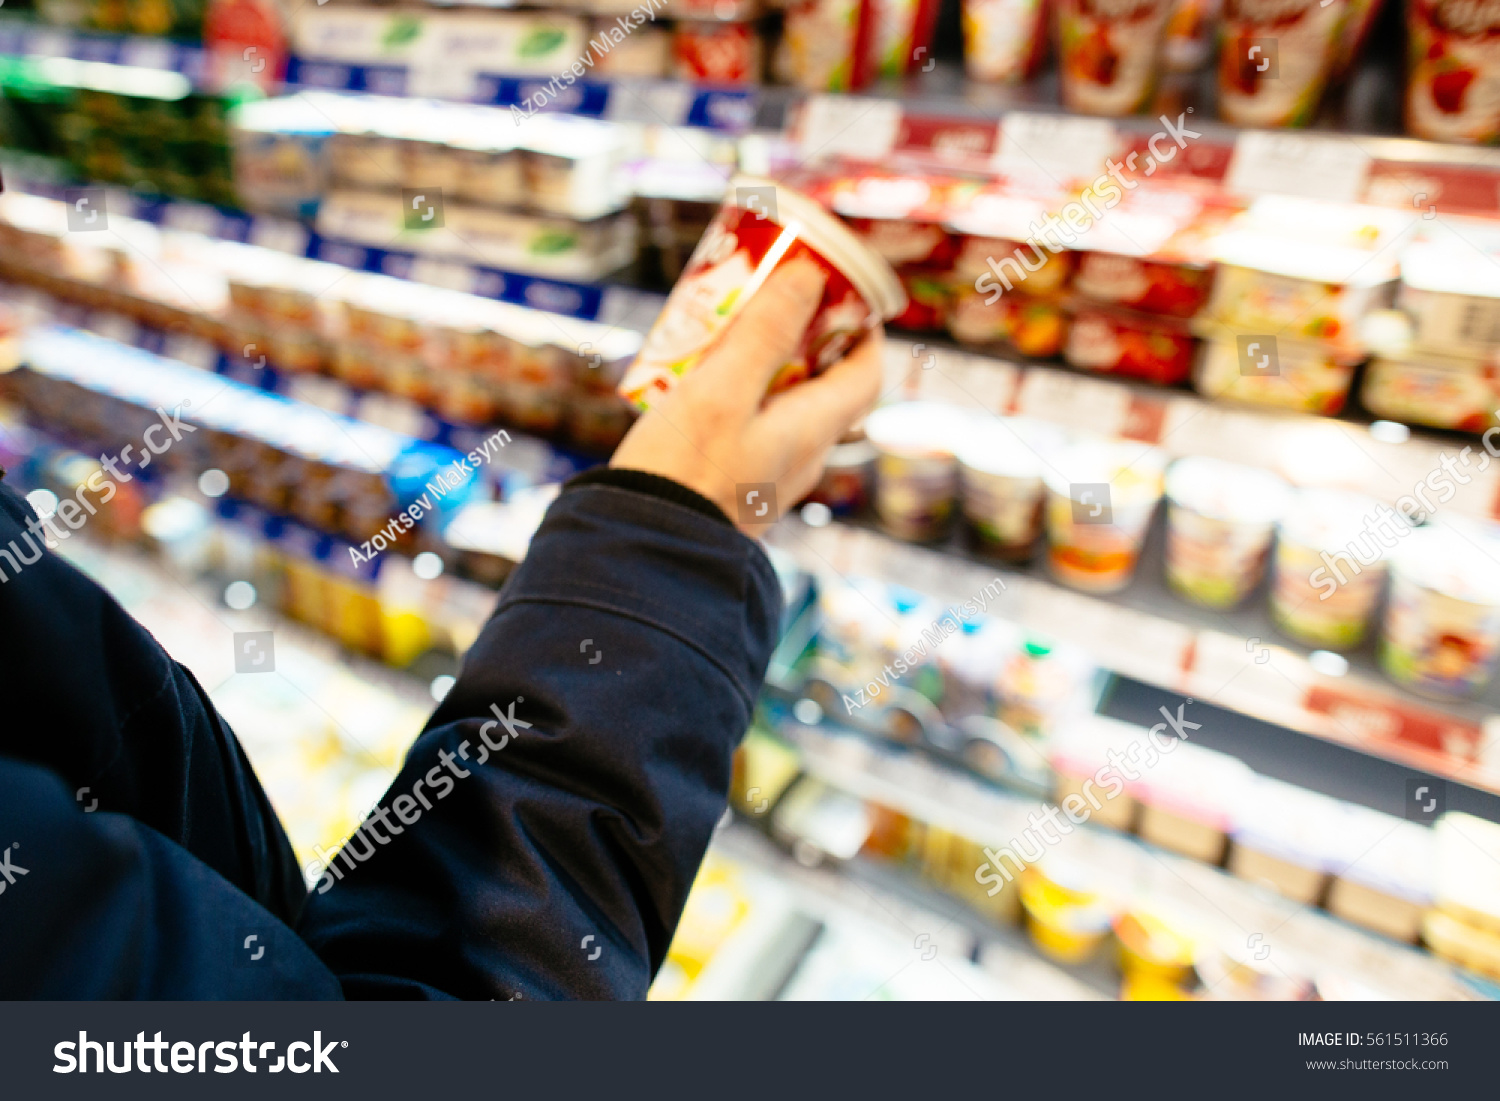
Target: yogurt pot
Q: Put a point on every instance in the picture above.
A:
(916, 473)
(1004, 40)
(847, 474)
(1101, 495)
(760, 226)
(1330, 568)
(1220, 521)
(1261, 84)
(1110, 53)
(1453, 81)
(1000, 465)
(1442, 623)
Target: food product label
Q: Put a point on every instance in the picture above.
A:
(1453, 91)
(736, 255)
(1058, 148)
(1298, 164)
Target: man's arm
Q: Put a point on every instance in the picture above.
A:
(604, 700)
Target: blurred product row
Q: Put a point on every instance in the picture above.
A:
(1275, 64)
(1021, 485)
(470, 358)
(1271, 301)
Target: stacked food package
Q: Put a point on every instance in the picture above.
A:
(1295, 279)
(172, 144)
(1173, 923)
(443, 179)
(1437, 360)
(471, 359)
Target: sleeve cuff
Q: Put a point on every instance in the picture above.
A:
(639, 481)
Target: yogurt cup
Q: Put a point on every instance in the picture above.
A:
(1004, 40)
(1281, 90)
(1110, 52)
(760, 226)
(1101, 495)
(1324, 589)
(1000, 467)
(1220, 520)
(847, 474)
(916, 473)
(1453, 81)
(1442, 623)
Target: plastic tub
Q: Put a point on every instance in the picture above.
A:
(760, 226)
(1329, 570)
(1000, 467)
(916, 474)
(1221, 518)
(1101, 495)
(1442, 623)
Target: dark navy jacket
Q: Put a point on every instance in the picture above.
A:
(557, 868)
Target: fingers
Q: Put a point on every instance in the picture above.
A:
(809, 418)
(765, 335)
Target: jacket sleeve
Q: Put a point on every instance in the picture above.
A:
(135, 840)
(547, 824)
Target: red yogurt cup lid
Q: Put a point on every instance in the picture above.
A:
(869, 273)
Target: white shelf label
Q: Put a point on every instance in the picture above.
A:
(147, 53)
(1053, 395)
(192, 350)
(649, 102)
(280, 234)
(1305, 165)
(854, 125)
(1057, 148)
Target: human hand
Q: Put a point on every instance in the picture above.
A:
(715, 432)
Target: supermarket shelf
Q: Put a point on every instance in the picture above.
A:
(928, 792)
(1235, 661)
(1184, 423)
(609, 304)
(672, 102)
(21, 38)
(668, 102)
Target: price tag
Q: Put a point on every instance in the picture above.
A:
(438, 79)
(852, 125)
(148, 53)
(444, 273)
(1100, 407)
(192, 350)
(325, 393)
(114, 326)
(280, 234)
(1306, 165)
(1056, 148)
(191, 218)
(989, 384)
(652, 103)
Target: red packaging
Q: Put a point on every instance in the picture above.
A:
(927, 298)
(900, 241)
(716, 53)
(1122, 342)
(759, 226)
(1032, 326)
(1177, 290)
(1453, 80)
(828, 45)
